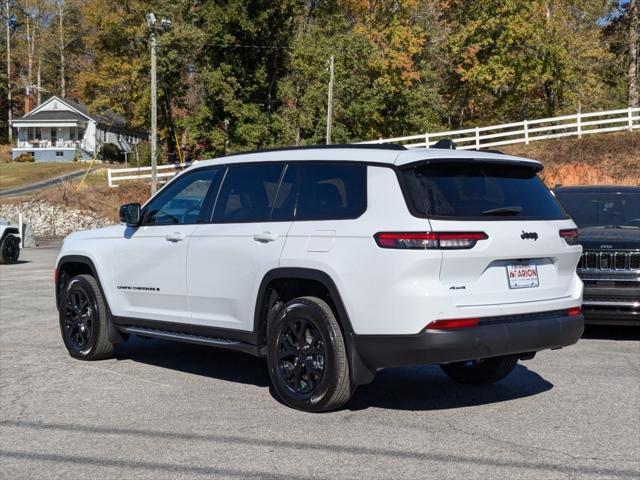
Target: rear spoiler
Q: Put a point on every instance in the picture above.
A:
(532, 164)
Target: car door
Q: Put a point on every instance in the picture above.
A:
(228, 257)
(149, 261)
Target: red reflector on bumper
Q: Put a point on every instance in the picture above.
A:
(574, 312)
(453, 324)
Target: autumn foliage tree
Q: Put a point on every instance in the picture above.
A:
(243, 74)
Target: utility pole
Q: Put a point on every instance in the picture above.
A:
(154, 113)
(330, 101)
(63, 87)
(9, 117)
(165, 24)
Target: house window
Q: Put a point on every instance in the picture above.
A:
(59, 154)
(80, 133)
(38, 134)
(29, 134)
(54, 135)
(72, 133)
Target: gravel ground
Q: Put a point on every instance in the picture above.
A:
(46, 219)
(162, 410)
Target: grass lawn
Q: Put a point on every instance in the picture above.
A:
(17, 174)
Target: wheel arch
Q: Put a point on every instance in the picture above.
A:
(10, 231)
(298, 281)
(70, 266)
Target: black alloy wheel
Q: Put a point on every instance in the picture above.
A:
(307, 356)
(301, 356)
(83, 316)
(79, 317)
(482, 371)
(10, 249)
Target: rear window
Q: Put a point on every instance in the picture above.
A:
(480, 191)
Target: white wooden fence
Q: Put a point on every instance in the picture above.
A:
(528, 130)
(117, 175)
(470, 138)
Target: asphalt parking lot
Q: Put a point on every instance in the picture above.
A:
(165, 410)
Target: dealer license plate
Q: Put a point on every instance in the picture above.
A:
(522, 276)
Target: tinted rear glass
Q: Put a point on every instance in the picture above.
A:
(330, 192)
(601, 209)
(247, 193)
(480, 191)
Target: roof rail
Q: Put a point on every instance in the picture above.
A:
(368, 146)
(445, 144)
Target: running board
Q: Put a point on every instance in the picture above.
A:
(190, 338)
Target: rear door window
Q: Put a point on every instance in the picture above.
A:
(480, 191)
(330, 191)
(248, 193)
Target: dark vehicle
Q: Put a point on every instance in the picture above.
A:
(608, 218)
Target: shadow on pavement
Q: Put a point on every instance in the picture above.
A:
(611, 332)
(428, 388)
(196, 359)
(416, 388)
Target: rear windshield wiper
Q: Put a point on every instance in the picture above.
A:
(515, 210)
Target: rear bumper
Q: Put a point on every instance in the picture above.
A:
(492, 338)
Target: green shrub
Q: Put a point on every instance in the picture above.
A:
(24, 158)
(111, 153)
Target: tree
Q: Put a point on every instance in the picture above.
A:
(634, 40)
(515, 60)
(7, 13)
(386, 79)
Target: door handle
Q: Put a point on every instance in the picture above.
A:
(265, 237)
(175, 237)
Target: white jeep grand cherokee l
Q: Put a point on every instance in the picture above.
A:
(333, 263)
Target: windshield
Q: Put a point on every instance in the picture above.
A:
(598, 209)
(480, 191)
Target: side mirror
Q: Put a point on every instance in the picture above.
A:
(130, 214)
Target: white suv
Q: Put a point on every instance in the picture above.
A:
(333, 263)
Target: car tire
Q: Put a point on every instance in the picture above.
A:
(481, 372)
(9, 249)
(306, 326)
(83, 319)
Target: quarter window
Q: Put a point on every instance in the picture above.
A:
(330, 191)
(248, 193)
(185, 200)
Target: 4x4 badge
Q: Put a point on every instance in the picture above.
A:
(529, 235)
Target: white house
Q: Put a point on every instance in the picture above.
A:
(61, 130)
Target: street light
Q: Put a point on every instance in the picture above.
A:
(165, 25)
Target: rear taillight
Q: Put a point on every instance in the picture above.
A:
(452, 324)
(55, 277)
(570, 236)
(574, 312)
(429, 240)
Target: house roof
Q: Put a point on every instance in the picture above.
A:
(109, 119)
(59, 115)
